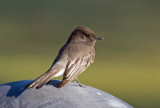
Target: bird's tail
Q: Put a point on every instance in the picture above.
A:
(63, 83)
(42, 80)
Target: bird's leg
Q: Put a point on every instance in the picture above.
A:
(79, 82)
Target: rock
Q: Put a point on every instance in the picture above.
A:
(13, 95)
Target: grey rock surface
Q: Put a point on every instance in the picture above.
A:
(14, 95)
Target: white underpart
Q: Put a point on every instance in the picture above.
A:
(60, 73)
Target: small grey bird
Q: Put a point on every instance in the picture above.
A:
(73, 58)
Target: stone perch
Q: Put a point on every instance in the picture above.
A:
(13, 95)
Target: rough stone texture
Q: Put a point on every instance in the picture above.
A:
(13, 95)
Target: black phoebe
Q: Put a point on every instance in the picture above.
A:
(73, 58)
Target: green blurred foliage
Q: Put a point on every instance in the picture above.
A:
(127, 62)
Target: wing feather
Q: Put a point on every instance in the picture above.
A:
(76, 67)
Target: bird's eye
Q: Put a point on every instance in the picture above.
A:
(87, 35)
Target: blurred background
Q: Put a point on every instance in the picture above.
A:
(127, 62)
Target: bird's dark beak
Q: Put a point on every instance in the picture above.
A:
(99, 38)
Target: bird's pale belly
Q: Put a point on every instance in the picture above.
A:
(60, 73)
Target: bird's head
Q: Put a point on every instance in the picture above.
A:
(83, 34)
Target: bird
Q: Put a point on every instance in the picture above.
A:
(72, 59)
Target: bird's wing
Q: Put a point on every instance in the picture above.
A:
(75, 67)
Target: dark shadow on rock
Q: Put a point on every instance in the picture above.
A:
(17, 88)
(54, 83)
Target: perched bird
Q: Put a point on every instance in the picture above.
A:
(73, 58)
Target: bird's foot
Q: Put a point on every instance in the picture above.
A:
(80, 85)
